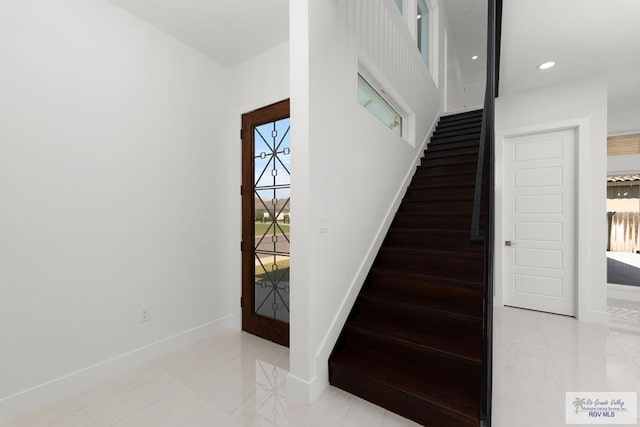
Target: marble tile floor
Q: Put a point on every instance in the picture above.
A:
(539, 356)
(236, 379)
(624, 315)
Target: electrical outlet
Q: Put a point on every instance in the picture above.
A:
(144, 316)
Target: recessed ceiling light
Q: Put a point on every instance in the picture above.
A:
(419, 16)
(546, 65)
(474, 57)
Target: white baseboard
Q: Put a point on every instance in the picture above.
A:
(56, 389)
(317, 385)
(598, 317)
(627, 293)
(307, 391)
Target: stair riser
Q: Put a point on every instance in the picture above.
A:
(447, 193)
(448, 222)
(436, 148)
(425, 363)
(454, 152)
(433, 265)
(452, 161)
(412, 407)
(469, 115)
(461, 124)
(405, 317)
(432, 241)
(448, 170)
(467, 298)
(452, 180)
(437, 206)
(435, 140)
(453, 132)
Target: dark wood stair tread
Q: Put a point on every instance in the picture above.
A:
(428, 342)
(469, 133)
(464, 114)
(434, 214)
(452, 152)
(430, 231)
(445, 239)
(426, 303)
(441, 140)
(458, 220)
(443, 186)
(399, 274)
(390, 373)
(432, 252)
(454, 147)
(454, 165)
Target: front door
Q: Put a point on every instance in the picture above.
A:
(266, 183)
(540, 222)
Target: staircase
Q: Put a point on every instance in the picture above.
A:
(413, 342)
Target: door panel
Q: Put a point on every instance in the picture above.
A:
(540, 222)
(266, 183)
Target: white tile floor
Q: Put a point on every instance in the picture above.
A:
(538, 357)
(236, 379)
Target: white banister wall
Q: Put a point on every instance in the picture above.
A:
(346, 165)
(386, 45)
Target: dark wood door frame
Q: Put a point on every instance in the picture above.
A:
(272, 329)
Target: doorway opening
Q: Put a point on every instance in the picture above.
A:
(623, 231)
(623, 251)
(266, 222)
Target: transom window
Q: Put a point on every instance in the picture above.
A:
(400, 5)
(422, 30)
(373, 101)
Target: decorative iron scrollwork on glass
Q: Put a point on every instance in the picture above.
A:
(272, 183)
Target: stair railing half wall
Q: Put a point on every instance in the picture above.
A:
(483, 202)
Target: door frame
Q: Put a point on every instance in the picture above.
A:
(581, 126)
(274, 330)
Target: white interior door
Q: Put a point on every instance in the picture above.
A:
(540, 222)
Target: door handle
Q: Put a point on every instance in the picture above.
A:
(509, 243)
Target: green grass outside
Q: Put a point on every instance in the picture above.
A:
(262, 227)
(281, 274)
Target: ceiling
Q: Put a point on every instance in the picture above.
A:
(468, 29)
(584, 37)
(232, 31)
(229, 31)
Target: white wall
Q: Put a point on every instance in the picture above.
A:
(624, 99)
(474, 93)
(455, 85)
(256, 83)
(583, 101)
(624, 120)
(629, 163)
(110, 175)
(346, 165)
